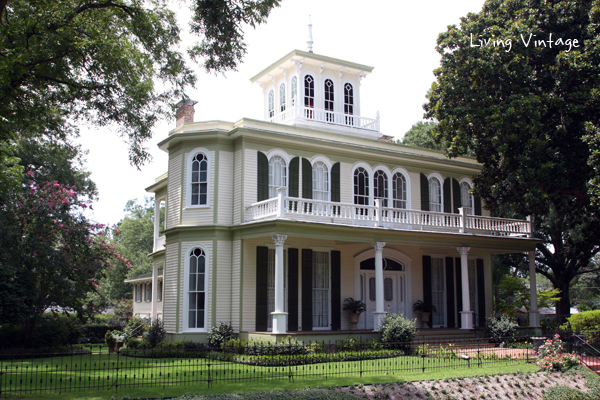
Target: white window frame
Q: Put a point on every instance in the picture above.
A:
(441, 193)
(386, 173)
(271, 104)
(404, 173)
(469, 210)
(186, 285)
(325, 161)
(148, 292)
(188, 186)
(286, 159)
(294, 91)
(138, 293)
(369, 197)
(282, 102)
(328, 327)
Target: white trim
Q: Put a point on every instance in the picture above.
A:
(328, 252)
(281, 153)
(441, 180)
(328, 164)
(367, 167)
(188, 178)
(386, 171)
(404, 172)
(186, 286)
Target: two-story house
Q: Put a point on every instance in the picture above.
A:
(271, 224)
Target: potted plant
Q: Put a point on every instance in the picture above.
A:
(114, 340)
(425, 309)
(354, 308)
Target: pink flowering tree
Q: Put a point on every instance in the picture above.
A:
(51, 255)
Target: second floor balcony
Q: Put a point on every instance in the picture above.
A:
(384, 217)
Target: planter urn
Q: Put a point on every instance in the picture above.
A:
(354, 320)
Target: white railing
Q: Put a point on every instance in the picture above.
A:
(379, 216)
(328, 117)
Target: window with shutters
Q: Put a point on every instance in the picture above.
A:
(466, 198)
(320, 177)
(435, 194)
(138, 293)
(198, 178)
(321, 290)
(196, 273)
(277, 174)
(148, 292)
(438, 291)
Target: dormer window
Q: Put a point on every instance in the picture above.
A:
(271, 104)
(282, 97)
(277, 175)
(294, 90)
(329, 104)
(309, 95)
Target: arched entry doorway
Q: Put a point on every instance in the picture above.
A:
(396, 284)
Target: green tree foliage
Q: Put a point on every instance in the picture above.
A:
(112, 62)
(134, 240)
(513, 295)
(525, 112)
(420, 135)
(50, 254)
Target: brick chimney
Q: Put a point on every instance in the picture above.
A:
(185, 112)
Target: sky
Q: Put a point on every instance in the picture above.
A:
(397, 38)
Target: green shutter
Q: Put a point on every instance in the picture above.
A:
(336, 290)
(307, 323)
(450, 292)
(480, 292)
(262, 310)
(456, 195)
(447, 196)
(306, 179)
(292, 285)
(477, 206)
(427, 295)
(335, 182)
(294, 179)
(459, 305)
(424, 193)
(262, 192)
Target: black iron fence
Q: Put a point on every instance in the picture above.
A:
(188, 364)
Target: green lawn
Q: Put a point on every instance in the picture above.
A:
(91, 376)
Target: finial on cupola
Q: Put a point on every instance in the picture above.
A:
(310, 39)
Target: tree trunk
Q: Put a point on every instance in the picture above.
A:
(563, 306)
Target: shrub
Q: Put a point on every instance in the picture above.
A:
(133, 343)
(562, 392)
(588, 324)
(135, 327)
(397, 329)
(219, 334)
(499, 328)
(315, 348)
(553, 357)
(156, 333)
(235, 346)
(262, 347)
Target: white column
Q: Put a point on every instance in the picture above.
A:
(534, 314)
(379, 313)
(466, 314)
(154, 305)
(156, 222)
(279, 316)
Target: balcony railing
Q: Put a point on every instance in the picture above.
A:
(386, 217)
(329, 117)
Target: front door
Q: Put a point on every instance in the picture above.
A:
(393, 296)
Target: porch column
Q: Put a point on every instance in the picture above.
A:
(466, 314)
(279, 316)
(379, 313)
(153, 305)
(534, 314)
(156, 222)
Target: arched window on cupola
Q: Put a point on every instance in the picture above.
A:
(294, 90)
(309, 96)
(349, 103)
(329, 100)
(380, 187)
(271, 104)
(282, 97)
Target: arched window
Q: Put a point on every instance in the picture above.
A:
(361, 186)
(199, 180)
(349, 103)
(277, 175)
(329, 105)
(399, 190)
(271, 104)
(435, 195)
(196, 289)
(309, 95)
(466, 198)
(282, 97)
(294, 90)
(320, 176)
(380, 187)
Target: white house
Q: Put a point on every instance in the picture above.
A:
(271, 224)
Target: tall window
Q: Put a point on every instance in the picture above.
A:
(361, 186)
(349, 103)
(435, 195)
(438, 287)
(199, 180)
(380, 187)
(309, 95)
(320, 176)
(148, 292)
(329, 105)
(466, 198)
(294, 90)
(282, 97)
(138, 293)
(399, 190)
(321, 288)
(271, 104)
(196, 289)
(277, 175)
(159, 291)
